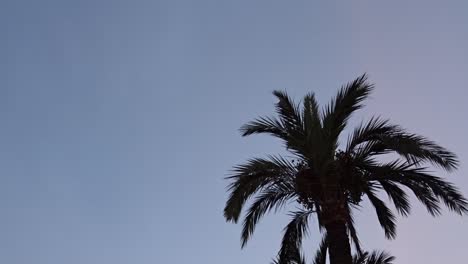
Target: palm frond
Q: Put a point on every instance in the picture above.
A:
(352, 231)
(311, 113)
(380, 257)
(347, 101)
(425, 195)
(397, 196)
(272, 198)
(289, 127)
(394, 171)
(371, 130)
(430, 190)
(287, 110)
(417, 149)
(443, 190)
(265, 125)
(314, 137)
(293, 235)
(252, 176)
(384, 214)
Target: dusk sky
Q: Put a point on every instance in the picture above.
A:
(120, 119)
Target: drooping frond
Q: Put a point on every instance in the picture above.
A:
(348, 100)
(293, 235)
(272, 198)
(251, 177)
(352, 230)
(393, 172)
(415, 149)
(443, 190)
(397, 196)
(418, 149)
(430, 190)
(372, 130)
(384, 214)
(380, 257)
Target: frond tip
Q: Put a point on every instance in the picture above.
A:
(293, 235)
(272, 198)
(385, 216)
(287, 110)
(348, 100)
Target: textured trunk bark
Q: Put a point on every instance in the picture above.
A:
(338, 243)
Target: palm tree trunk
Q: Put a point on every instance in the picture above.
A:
(338, 243)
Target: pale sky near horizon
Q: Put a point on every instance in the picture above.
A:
(120, 118)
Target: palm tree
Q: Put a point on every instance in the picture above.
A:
(329, 180)
(375, 257)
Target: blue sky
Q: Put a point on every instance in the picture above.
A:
(119, 118)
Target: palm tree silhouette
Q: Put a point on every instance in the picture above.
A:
(329, 180)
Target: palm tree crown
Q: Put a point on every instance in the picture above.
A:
(329, 180)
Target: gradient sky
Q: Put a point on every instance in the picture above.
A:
(119, 118)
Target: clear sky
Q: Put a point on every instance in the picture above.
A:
(119, 118)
